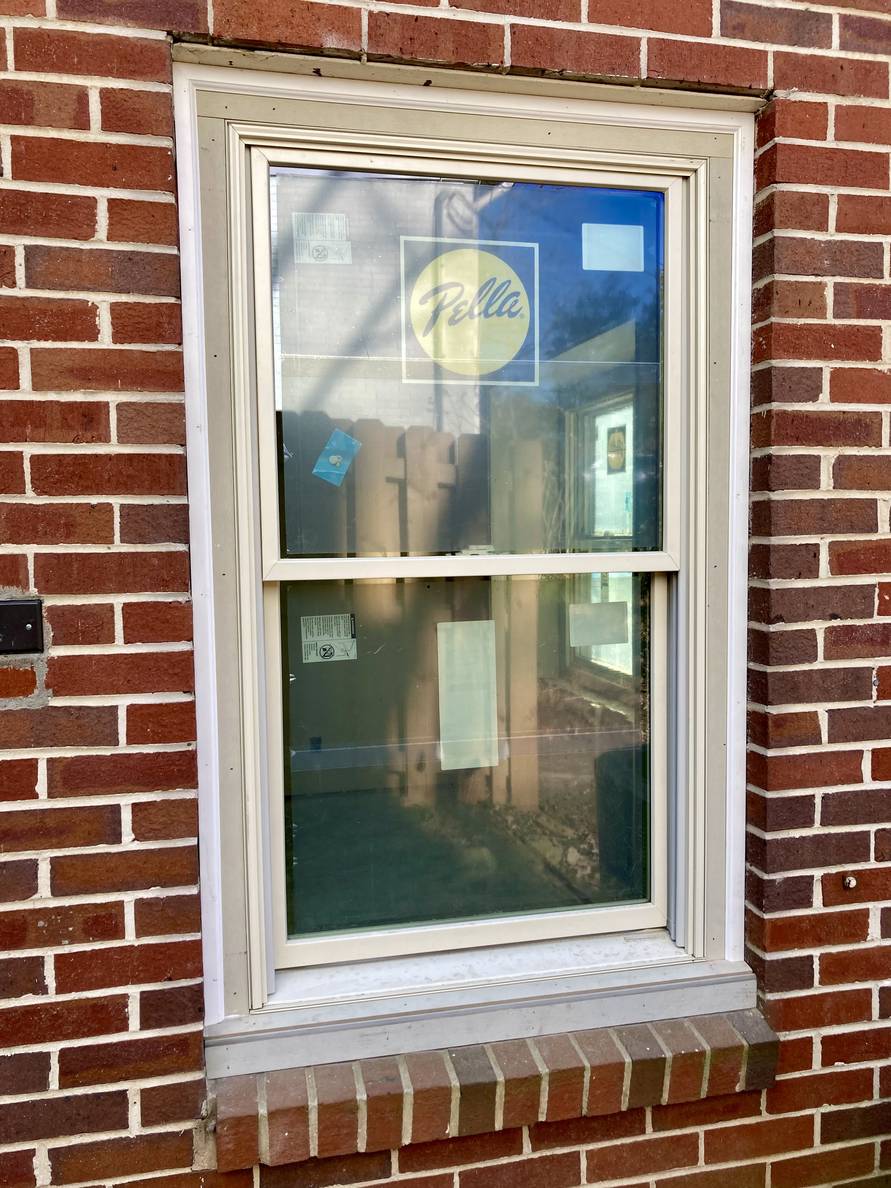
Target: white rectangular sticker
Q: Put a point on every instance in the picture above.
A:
(328, 637)
(592, 624)
(468, 708)
(321, 238)
(612, 247)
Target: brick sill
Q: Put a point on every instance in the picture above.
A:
(388, 1102)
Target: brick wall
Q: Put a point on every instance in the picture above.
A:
(100, 1048)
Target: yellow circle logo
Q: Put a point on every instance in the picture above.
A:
(470, 311)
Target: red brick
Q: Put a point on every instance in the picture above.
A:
(129, 1059)
(17, 1169)
(164, 820)
(809, 685)
(787, 209)
(152, 423)
(782, 647)
(43, 105)
(54, 51)
(543, 1171)
(862, 301)
(60, 828)
(774, 855)
(385, 1098)
(803, 1012)
(164, 722)
(146, 321)
(87, 624)
(648, 1064)
(819, 769)
(174, 16)
(120, 1157)
(544, 48)
(854, 641)
(18, 880)
(805, 428)
(157, 622)
(860, 472)
(809, 164)
(881, 762)
(522, 1082)
(119, 672)
(312, 26)
(566, 1076)
(124, 166)
(785, 472)
(104, 775)
(643, 1157)
(96, 874)
(789, 255)
(123, 965)
(870, 885)
(108, 474)
(826, 75)
(73, 421)
(663, 15)
(180, 1102)
(780, 298)
(70, 924)
(170, 916)
(54, 1022)
(16, 681)
(866, 125)
(18, 779)
(812, 517)
(855, 1047)
(541, 10)
(771, 730)
(61, 216)
(824, 1167)
(775, 26)
(793, 1094)
(102, 270)
(852, 557)
(179, 1006)
(707, 62)
(855, 385)
(459, 1151)
(607, 1070)
(752, 1140)
(131, 221)
(145, 113)
(865, 35)
(727, 1108)
(155, 523)
(24, 1072)
(100, 370)
(341, 1169)
(776, 975)
(287, 1111)
(771, 813)
(687, 1059)
(7, 267)
(791, 384)
(855, 965)
(576, 1132)
(80, 1114)
(865, 806)
(111, 573)
(863, 215)
(831, 342)
(57, 523)
(21, 976)
(14, 572)
(237, 1129)
(338, 1109)
(435, 39)
(750, 1176)
(12, 473)
(432, 1093)
(814, 931)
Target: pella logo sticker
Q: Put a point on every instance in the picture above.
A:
(469, 311)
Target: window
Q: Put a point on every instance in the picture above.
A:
(470, 462)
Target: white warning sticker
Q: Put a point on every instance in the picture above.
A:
(321, 238)
(328, 637)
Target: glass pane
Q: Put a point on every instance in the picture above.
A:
(467, 747)
(464, 366)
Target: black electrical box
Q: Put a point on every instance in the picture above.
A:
(21, 626)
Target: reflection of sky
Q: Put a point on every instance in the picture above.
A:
(354, 310)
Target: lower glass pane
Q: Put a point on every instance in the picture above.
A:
(464, 748)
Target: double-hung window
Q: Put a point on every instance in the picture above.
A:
(467, 475)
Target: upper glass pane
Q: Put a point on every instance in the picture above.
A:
(465, 366)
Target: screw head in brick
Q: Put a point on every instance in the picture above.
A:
(849, 882)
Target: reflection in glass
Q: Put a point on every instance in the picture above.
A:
(469, 747)
(465, 366)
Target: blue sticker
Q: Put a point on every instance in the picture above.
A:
(334, 461)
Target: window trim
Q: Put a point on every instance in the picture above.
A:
(238, 971)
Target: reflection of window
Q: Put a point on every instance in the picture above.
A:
(479, 699)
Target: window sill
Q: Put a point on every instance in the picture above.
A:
(384, 1103)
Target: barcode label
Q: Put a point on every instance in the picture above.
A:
(313, 225)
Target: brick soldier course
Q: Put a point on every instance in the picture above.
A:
(101, 1063)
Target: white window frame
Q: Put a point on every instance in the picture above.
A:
(272, 1002)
